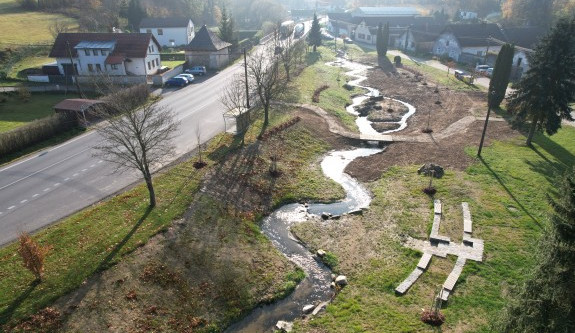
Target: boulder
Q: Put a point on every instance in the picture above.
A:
(320, 253)
(284, 326)
(430, 168)
(308, 308)
(325, 215)
(341, 280)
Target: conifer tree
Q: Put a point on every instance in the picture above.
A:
(379, 41)
(226, 27)
(500, 77)
(545, 92)
(385, 38)
(135, 14)
(314, 37)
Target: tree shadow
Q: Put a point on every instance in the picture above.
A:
(106, 261)
(500, 181)
(312, 57)
(9, 311)
(552, 148)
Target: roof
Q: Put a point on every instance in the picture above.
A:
(393, 21)
(385, 11)
(115, 59)
(206, 40)
(164, 22)
(131, 45)
(346, 17)
(526, 37)
(475, 34)
(77, 104)
(95, 45)
(426, 32)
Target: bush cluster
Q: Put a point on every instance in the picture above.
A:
(34, 132)
(276, 129)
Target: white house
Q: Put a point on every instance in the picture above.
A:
(469, 43)
(88, 54)
(169, 31)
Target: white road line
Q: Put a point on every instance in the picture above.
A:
(67, 179)
(84, 170)
(93, 165)
(56, 184)
(37, 172)
(74, 175)
(46, 189)
(100, 161)
(35, 195)
(11, 207)
(24, 201)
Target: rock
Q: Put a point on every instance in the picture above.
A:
(308, 308)
(318, 308)
(332, 285)
(333, 276)
(430, 168)
(336, 217)
(320, 253)
(284, 326)
(356, 212)
(341, 280)
(376, 98)
(325, 215)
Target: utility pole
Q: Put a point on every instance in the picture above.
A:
(486, 50)
(486, 122)
(74, 70)
(246, 79)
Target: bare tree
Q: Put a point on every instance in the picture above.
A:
(266, 79)
(33, 255)
(291, 53)
(59, 26)
(234, 94)
(137, 138)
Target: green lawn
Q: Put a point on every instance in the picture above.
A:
(26, 27)
(15, 112)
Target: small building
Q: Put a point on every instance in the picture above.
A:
(525, 40)
(169, 32)
(83, 110)
(468, 43)
(207, 49)
(419, 38)
(112, 54)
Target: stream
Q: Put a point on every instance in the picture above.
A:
(315, 288)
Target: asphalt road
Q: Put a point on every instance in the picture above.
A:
(59, 181)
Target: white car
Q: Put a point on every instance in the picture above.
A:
(481, 69)
(188, 77)
(197, 70)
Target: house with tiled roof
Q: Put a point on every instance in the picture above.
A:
(419, 38)
(207, 49)
(524, 39)
(169, 31)
(113, 54)
(468, 43)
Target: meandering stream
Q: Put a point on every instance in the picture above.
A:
(315, 288)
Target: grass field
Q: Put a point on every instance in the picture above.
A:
(15, 112)
(20, 27)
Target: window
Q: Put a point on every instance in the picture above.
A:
(152, 48)
(114, 66)
(368, 37)
(149, 66)
(87, 52)
(361, 36)
(90, 67)
(447, 43)
(157, 62)
(104, 52)
(160, 32)
(149, 31)
(98, 68)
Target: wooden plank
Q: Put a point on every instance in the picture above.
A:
(467, 224)
(437, 206)
(424, 261)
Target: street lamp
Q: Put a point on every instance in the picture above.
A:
(490, 94)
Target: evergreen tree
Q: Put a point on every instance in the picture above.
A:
(545, 92)
(385, 39)
(314, 37)
(226, 27)
(135, 14)
(500, 77)
(546, 302)
(379, 41)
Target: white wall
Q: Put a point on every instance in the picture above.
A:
(180, 36)
(447, 44)
(367, 37)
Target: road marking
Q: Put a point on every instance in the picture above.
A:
(93, 165)
(56, 184)
(11, 207)
(37, 172)
(74, 175)
(46, 189)
(24, 201)
(100, 161)
(67, 179)
(35, 195)
(84, 170)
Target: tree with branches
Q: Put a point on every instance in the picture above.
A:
(266, 79)
(33, 255)
(136, 137)
(544, 95)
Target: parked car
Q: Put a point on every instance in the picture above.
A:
(461, 75)
(176, 82)
(481, 69)
(489, 71)
(347, 40)
(197, 70)
(188, 77)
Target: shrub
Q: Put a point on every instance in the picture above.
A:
(24, 94)
(433, 318)
(33, 255)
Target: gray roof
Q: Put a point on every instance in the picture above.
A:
(95, 45)
(475, 34)
(386, 11)
(164, 22)
(206, 40)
